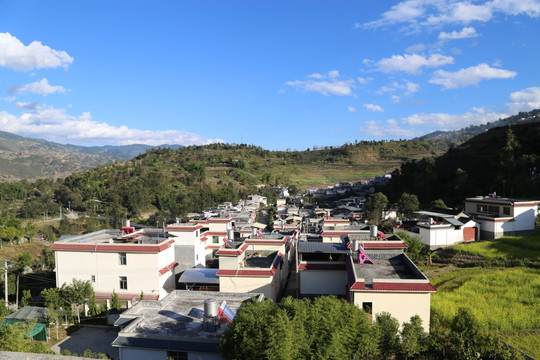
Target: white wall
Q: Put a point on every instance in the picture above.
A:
(141, 270)
(400, 305)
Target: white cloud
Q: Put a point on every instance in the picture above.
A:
(450, 121)
(16, 56)
(363, 81)
(418, 13)
(465, 33)
(33, 106)
(373, 107)
(469, 76)
(525, 100)
(38, 87)
(412, 63)
(386, 130)
(333, 74)
(416, 48)
(56, 125)
(516, 7)
(332, 86)
(351, 109)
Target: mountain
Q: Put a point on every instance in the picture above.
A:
(29, 158)
(505, 160)
(462, 135)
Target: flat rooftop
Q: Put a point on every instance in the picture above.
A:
(179, 315)
(113, 236)
(393, 267)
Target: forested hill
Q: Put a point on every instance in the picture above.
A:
(165, 183)
(462, 135)
(505, 160)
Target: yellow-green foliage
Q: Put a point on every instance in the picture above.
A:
(501, 299)
(526, 341)
(508, 246)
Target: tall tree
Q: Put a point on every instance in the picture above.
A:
(374, 206)
(408, 204)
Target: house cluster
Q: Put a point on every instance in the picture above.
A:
(359, 189)
(482, 217)
(195, 275)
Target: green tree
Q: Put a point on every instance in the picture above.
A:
(77, 294)
(408, 204)
(438, 203)
(92, 306)
(414, 339)
(414, 245)
(374, 206)
(115, 301)
(386, 328)
(26, 298)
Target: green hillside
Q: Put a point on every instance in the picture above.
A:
(505, 160)
(165, 183)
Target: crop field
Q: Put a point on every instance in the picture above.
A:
(509, 246)
(505, 301)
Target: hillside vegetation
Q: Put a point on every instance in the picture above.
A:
(505, 160)
(169, 183)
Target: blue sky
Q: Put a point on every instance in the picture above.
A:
(278, 74)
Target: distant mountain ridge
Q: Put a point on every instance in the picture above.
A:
(462, 135)
(30, 158)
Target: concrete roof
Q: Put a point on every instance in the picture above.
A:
(176, 322)
(392, 267)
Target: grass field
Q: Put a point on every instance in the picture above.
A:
(506, 301)
(527, 246)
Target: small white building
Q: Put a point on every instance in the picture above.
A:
(112, 260)
(189, 249)
(502, 216)
(442, 228)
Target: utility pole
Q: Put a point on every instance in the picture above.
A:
(6, 267)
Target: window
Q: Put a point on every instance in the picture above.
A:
(481, 208)
(123, 282)
(93, 278)
(215, 239)
(493, 210)
(506, 211)
(122, 259)
(368, 307)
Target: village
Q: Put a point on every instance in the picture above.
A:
(180, 285)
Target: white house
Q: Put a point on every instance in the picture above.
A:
(128, 263)
(189, 249)
(442, 228)
(502, 216)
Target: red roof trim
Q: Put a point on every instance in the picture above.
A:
(204, 238)
(134, 248)
(335, 233)
(358, 286)
(252, 272)
(337, 221)
(168, 267)
(413, 287)
(233, 252)
(218, 233)
(262, 241)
